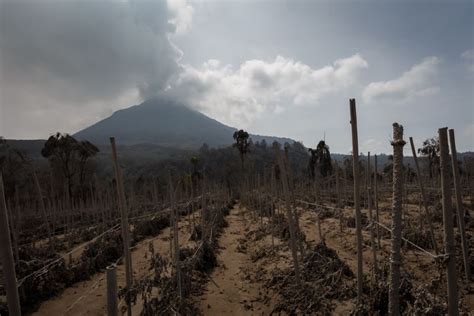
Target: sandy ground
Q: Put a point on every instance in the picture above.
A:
(232, 293)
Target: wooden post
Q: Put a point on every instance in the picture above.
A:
(13, 234)
(174, 222)
(320, 233)
(344, 184)
(259, 201)
(294, 211)
(366, 191)
(124, 222)
(17, 213)
(376, 200)
(289, 169)
(274, 192)
(469, 186)
(7, 257)
(395, 256)
(42, 206)
(372, 223)
(338, 203)
(203, 211)
(459, 206)
(284, 180)
(423, 195)
(356, 173)
(449, 247)
(112, 306)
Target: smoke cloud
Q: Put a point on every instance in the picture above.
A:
(65, 59)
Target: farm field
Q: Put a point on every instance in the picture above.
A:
(211, 157)
(242, 263)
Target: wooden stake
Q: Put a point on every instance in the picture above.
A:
(320, 233)
(112, 306)
(338, 203)
(356, 173)
(203, 211)
(42, 206)
(124, 222)
(273, 190)
(13, 234)
(449, 247)
(371, 217)
(376, 200)
(469, 186)
(174, 221)
(284, 180)
(7, 257)
(423, 195)
(395, 256)
(459, 206)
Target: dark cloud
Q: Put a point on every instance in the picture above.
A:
(60, 55)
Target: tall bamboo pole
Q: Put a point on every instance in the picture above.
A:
(42, 206)
(124, 222)
(339, 197)
(356, 173)
(371, 217)
(294, 211)
(459, 206)
(17, 213)
(449, 247)
(13, 235)
(174, 221)
(203, 211)
(112, 306)
(6, 256)
(423, 195)
(469, 185)
(284, 180)
(395, 257)
(376, 200)
(273, 190)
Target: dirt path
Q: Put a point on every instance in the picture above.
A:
(232, 293)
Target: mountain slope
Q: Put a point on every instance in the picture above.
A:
(166, 123)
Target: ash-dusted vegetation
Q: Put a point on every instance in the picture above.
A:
(250, 228)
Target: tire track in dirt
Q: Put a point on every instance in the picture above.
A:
(230, 292)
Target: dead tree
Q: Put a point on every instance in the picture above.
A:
(395, 257)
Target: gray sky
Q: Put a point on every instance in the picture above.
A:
(284, 68)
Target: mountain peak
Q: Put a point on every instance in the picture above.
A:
(165, 122)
